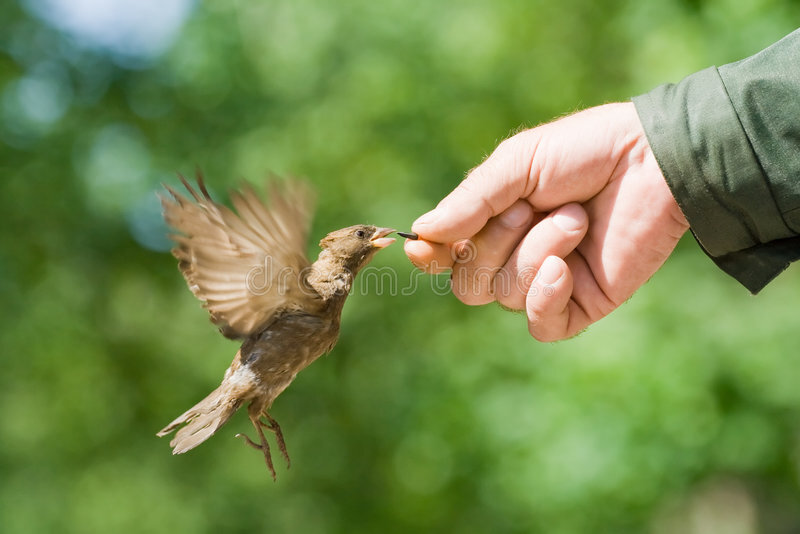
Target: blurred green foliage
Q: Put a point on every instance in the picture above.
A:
(680, 413)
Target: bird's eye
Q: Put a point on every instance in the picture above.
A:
(360, 234)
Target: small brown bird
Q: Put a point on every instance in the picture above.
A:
(253, 276)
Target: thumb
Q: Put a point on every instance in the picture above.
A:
(569, 160)
(487, 191)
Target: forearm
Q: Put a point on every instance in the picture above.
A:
(728, 143)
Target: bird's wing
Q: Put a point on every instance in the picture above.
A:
(245, 266)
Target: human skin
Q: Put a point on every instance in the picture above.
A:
(565, 221)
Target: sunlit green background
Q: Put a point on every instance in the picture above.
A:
(680, 413)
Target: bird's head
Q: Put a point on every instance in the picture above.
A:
(355, 245)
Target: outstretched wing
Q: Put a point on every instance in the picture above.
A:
(245, 266)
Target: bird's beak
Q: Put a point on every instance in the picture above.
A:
(379, 239)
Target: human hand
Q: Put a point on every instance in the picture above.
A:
(564, 221)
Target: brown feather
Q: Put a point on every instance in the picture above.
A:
(218, 249)
(202, 420)
(286, 322)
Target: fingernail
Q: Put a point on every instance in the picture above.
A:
(550, 272)
(427, 218)
(570, 218)
(517, 216)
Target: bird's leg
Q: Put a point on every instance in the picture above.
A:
(273, 426)
(264, 446)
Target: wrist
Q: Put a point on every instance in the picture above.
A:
(650, 170)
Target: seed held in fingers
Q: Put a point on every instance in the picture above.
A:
(408, 235)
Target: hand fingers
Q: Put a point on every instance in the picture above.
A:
(434, 258)
(552, 313)
(569, 160)
(623, 248)
(485, 193)
(430, 257)
(556, 235)
(477, 261)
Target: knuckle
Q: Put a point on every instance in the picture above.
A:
(472, 187)
(539, 333)
(464, 251)
(541, 330)
(518, 141)
(544, 337)
(470, 287)
(514, 302)
(504, 288)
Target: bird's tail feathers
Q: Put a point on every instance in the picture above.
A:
(202, 420)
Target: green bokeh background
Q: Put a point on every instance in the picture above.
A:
(680, 413)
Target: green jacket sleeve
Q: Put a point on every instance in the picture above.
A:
(728, 143)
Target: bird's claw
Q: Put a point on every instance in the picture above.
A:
(273, 426)
(249, 441)
(263, 447)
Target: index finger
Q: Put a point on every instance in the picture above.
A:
(488, 190)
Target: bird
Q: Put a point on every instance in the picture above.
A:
(250, 270)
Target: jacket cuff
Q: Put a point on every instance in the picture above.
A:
(711, 169)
